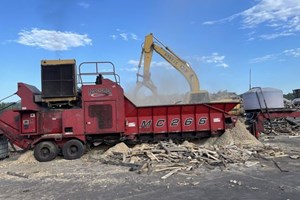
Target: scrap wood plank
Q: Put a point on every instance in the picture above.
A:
(165, 147)
(212, 157)
(189, 168)
(277, 156)
(21, 175)
(170, 165)
(165, 169)
(137, 153)
(150, 168)
(143, 168)
(178, 149)
(194, 161)
(170, 173)
(172, 147)
(294, 136)
(157, 151)
(208, 160)
(151, 156)
(207, 151)
(166, 156)
(227, 158)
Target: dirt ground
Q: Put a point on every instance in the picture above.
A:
(278, 178)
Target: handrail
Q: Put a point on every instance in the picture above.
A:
(97, 71)
(8, 97)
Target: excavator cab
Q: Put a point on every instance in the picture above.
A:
(198, 97)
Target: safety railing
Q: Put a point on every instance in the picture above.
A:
(89, 71)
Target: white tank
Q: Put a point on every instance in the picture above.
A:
(262, 98)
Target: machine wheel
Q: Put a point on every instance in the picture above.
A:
(73, 149)
(45, 151)
(3, 147)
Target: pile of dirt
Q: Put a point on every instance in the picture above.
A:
(26, 157)
(120, 148)
(238, 135)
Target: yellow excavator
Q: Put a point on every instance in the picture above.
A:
(151, 44)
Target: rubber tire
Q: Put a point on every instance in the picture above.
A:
(3, 147)
(50, 151)
(73, 149)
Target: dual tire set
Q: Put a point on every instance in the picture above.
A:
(48, 150)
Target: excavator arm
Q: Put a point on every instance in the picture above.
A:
(195, 95)
(182, 66)
(146, 54)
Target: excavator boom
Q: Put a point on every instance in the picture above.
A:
(182, 66)
(195, 95)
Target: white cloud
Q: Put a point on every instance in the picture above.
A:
(130, 69)
(222, 20)
(214, 58)
(124, 35)
(133, 36)
(133, 62)
(263, 58)
(114, 37)
(84, 4)
(272, 12)
(292, 52)
(134, 65)
(52, 40)
(281, 17)
(224, 65)
(160, 64)
(276, 35)
(295, 53)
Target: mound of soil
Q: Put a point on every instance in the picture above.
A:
(118, 148)
(239, 136)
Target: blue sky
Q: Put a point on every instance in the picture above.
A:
(221, 40)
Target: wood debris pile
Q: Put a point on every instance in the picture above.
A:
(270, 152)
(288, 126)
(236, 145)
(172, 158)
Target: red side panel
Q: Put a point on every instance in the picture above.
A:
(175, 118)
(26, 93)
(203, 122)
(160, 120)
(188, 118)
(131, 123)
(103, 106)
(145, 120)
(29, 122)
(100, 117)
(73, 122)
(51, 121)
(217, 121)
(9, 125)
